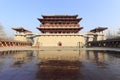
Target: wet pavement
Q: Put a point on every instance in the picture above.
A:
(59, 65)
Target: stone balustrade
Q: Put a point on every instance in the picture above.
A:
(104, 43)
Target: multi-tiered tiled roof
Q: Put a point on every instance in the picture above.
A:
(59, 24)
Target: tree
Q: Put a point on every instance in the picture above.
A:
(109, 35)
(113, 35)
(2, 32)
(119, 32)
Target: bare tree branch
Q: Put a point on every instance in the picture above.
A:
(2, 32)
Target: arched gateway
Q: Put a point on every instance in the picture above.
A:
(59, 44)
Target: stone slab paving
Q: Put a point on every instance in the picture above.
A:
(57, 48)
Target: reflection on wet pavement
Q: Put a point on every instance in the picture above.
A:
(59, 65)
(59, 70)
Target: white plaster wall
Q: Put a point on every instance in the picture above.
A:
(90, 38)
(20, 38)
(100, 37)
(69, 40)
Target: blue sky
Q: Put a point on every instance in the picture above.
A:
(17, 13)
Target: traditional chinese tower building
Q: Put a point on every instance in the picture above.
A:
(59, 24)
(59, 30)
(96, 34)
(22, 34)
